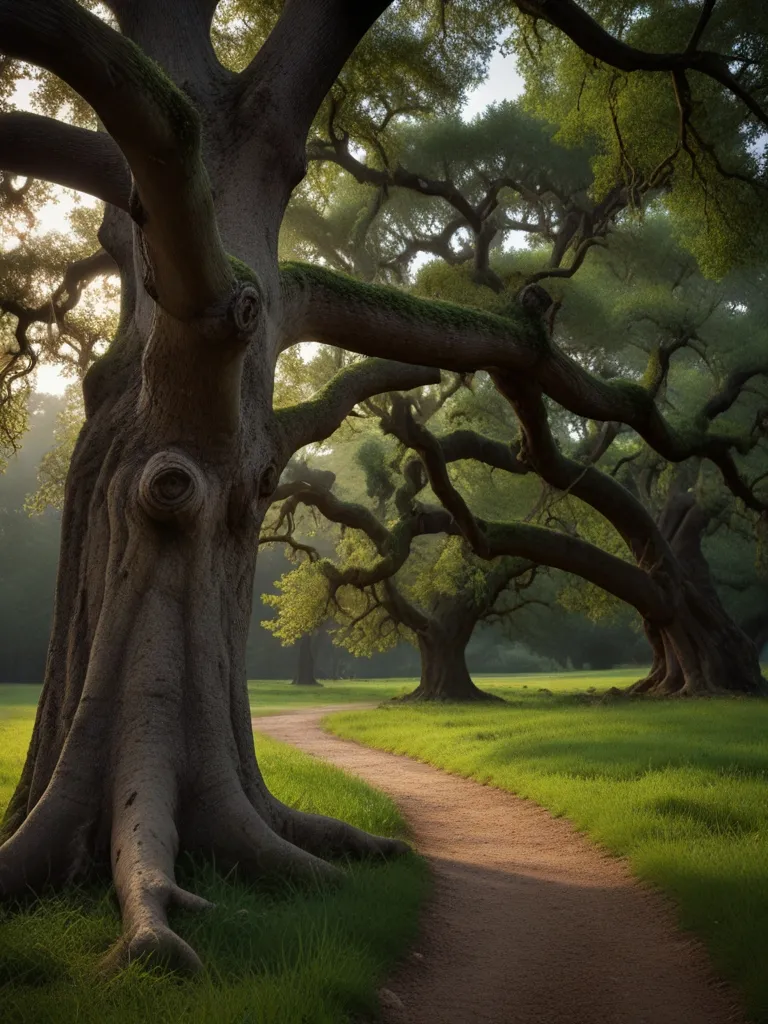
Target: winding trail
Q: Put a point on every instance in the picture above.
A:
(528, 923)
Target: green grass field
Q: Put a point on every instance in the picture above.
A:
(272, 957)
(270, 696)
(679, 788)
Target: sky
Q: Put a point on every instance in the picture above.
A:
(503, 83)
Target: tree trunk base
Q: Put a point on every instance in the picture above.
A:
(701, 654)
(466, 695)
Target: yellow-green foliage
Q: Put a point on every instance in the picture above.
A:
(52, 474)
(632, 121)
(576, 594)
(455, 570)
(302, 603)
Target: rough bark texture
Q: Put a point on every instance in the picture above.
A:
(444, 672)
(142, 745)
(305, 669)
(703, 651)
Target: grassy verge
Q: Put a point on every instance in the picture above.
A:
(681, 789)
(272, 957)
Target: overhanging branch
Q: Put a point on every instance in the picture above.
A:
(158, 131)
(42, 147)
(317, 418)
(593, 39)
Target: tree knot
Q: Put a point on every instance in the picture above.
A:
(172, 487)
(535, 300)
(245, 308)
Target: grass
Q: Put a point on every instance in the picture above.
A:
(269, 697)
(679, 788)
(277, 956)
(272, 696)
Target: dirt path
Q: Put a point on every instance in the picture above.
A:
(529, 923)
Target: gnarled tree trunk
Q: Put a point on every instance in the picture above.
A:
(702, 651)
(142, 745)
(305, 670)
(697, 648)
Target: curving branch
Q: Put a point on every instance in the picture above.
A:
(319, 416)
(17, 364)
(158, 131)
(537, 544)
(375, 320)
(41, 147)
(337, 151)
(593, 39)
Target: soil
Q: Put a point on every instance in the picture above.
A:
(528, 922)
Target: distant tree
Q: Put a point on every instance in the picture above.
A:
(393, 578)
(305, 668)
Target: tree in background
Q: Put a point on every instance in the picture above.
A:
(305, 668)
(400, 571)
(182, 447)
(487, 191)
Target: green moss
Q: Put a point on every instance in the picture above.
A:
(431, 312)
(242, 271)
(181, 116)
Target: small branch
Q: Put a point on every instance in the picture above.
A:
(15, 365)
(321, 415)
(571, 19)
(701, 24)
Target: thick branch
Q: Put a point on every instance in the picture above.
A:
(373, 320)
(41, 147)
(535, 543)
(157, 129)
(317, 418)
(292, 73)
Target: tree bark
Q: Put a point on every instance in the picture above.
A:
(305, 670)
(443, 649)
(142, 746)
(702, 652)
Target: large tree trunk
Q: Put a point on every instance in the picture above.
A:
(142, 747)
(143, 744)
(305, 670)
(444, 672)
(702, 652)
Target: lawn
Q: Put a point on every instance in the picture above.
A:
(679, 788)
(272, 957)
(270, 696)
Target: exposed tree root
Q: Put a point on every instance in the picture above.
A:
(330, 837)
(146, 934)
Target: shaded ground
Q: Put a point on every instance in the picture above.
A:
(529, 923)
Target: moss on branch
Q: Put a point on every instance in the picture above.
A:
(432, 312)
